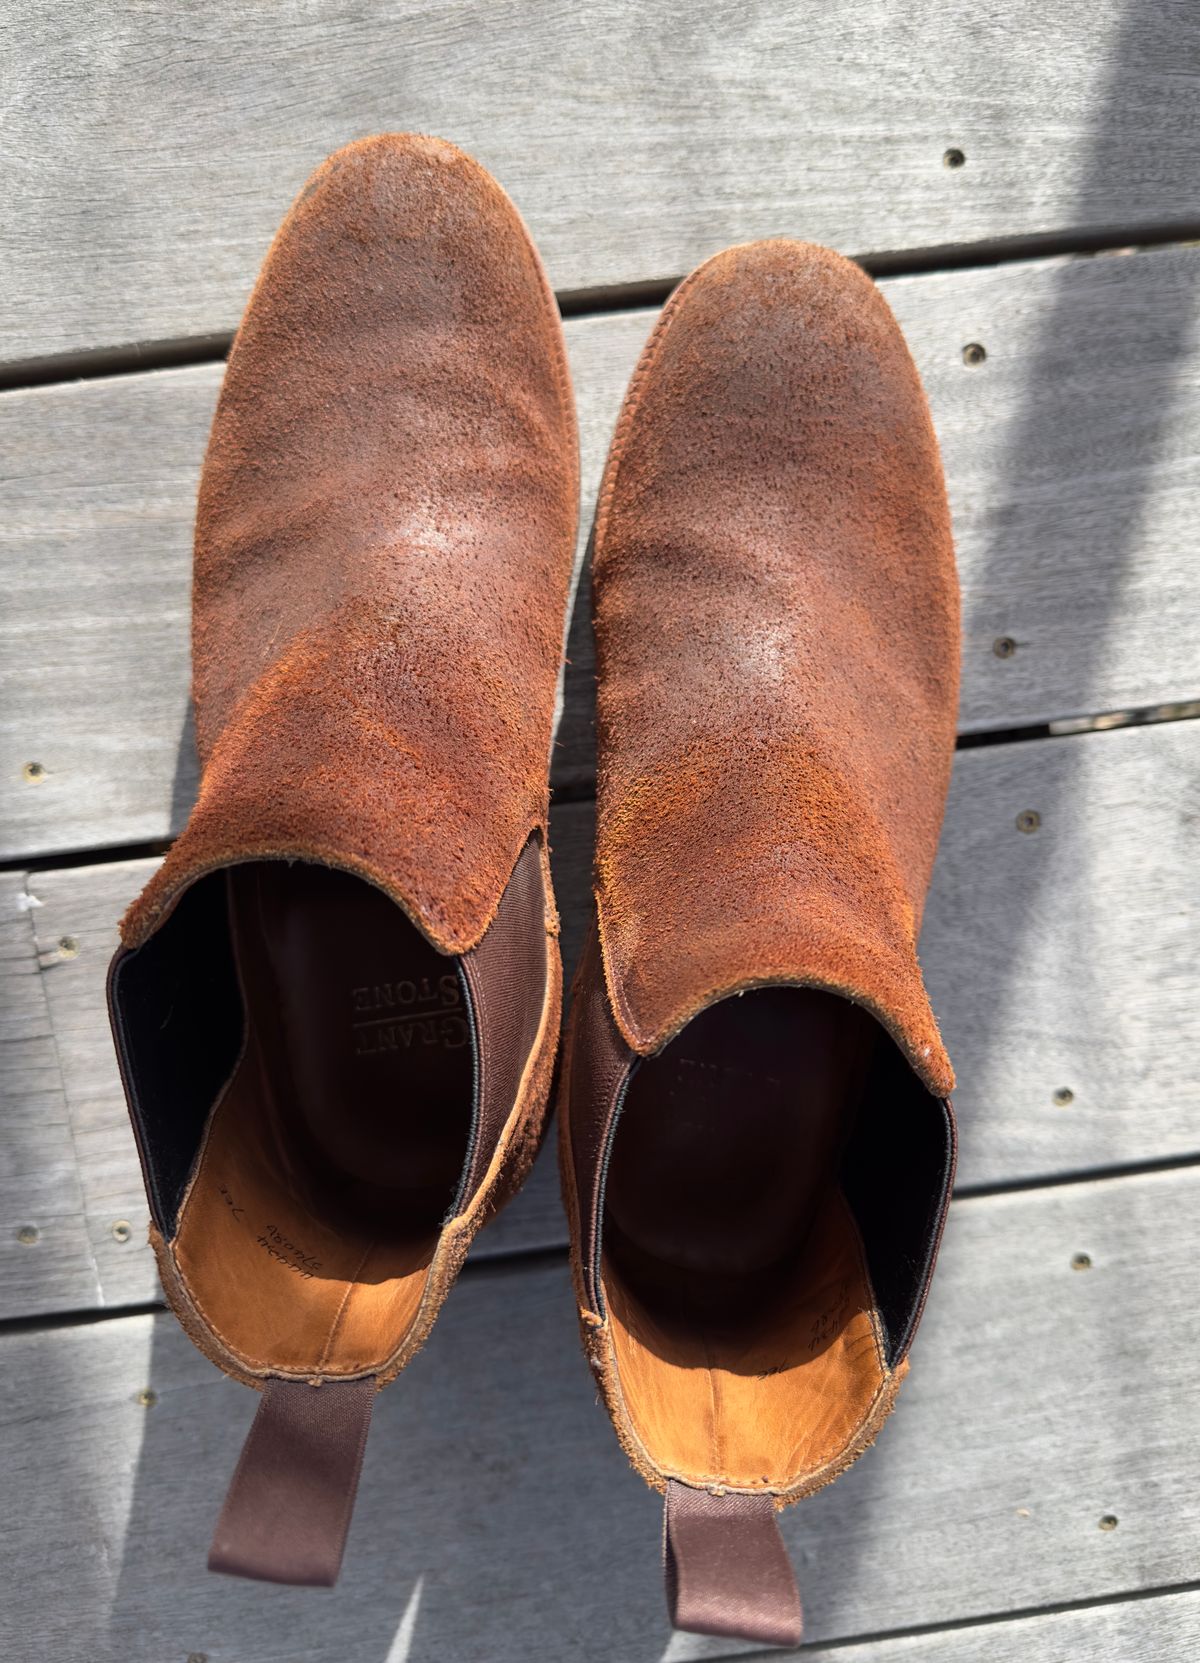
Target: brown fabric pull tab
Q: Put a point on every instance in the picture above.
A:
(727, 1569)
(288, 1510)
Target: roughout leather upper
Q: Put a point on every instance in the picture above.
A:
(778, 647)
(384, 545)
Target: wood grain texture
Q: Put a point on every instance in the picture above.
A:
(1058, 960)
(498, 1520)
(1072, 455)
(40, 1191)
(149, 157)
(1164, 1629)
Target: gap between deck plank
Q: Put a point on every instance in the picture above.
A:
(144, 357)
(1087, 1628)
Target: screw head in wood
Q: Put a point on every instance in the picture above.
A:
(1028, 820)
(1063, 1096)
(33, 773)
(1004, 646)
(1108, 1521)
(68, 947)
(28, 1234)
(122, 1230)
(1081, 1261)
(973, 353)
(147, 1397)
(953, 157)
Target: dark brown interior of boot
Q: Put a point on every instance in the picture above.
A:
(337, 1147)
(746, 1332)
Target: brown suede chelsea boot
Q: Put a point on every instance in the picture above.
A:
(757, 1141)
(336, 1004)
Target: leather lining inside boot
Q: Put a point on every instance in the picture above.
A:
(338, 1146)
(743, 1319)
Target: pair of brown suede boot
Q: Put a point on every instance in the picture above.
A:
(337, 1003)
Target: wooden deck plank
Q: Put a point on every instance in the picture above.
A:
(149, 159)
(497, 1516)
(51, 1269)
(1072, 454)
(1058, 960)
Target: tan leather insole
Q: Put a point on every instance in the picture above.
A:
(337, 1148)
(744, 1324)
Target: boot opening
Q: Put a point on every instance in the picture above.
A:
(338, 1143)
(750, 1343)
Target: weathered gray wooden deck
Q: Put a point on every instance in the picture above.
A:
(1037, 1495)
